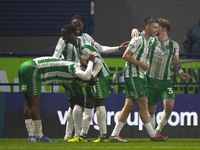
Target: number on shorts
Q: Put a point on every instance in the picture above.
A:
(170, 90)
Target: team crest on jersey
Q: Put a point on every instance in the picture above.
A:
(167, 47)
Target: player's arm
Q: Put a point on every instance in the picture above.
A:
(109, 49)
(134, 32)
(87, 74)
(178, 68)
(97, 64)
(97, 67)
(131, 59)
(59, 48)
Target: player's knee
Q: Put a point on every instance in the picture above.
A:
(88, 114)
(77, 110)
(101, 111)
(69, 114)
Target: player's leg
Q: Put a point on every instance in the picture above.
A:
(128, 107)
(28, 120)
(69, 125)
(101, 119)
(168, 107)
(26, 75)
(74, 113)
(152, 94)
(86, 120)
(78, 114)
(143, 106)
(100, 91)
(30, 86)
(143, 111)
(152, 112)
(168, 97)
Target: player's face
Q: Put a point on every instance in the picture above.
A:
(153, 29)
(83, 62)
(67, 37)
(159, 30)
(79, 26)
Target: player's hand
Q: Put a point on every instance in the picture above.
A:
(134, 33)
(123, 46)
(185, 76)
(144, 66)
(91, 57)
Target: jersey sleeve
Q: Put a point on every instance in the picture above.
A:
(84, 75)
(59, 48)
(176, 48)
(101, 48)
(134, 44)
(97, 66)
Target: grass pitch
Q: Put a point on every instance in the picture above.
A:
(137, 144)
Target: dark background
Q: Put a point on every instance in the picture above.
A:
(113, 21)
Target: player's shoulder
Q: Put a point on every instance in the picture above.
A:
(174, 42)
(61, 40)
(84, 41)
(137, 39)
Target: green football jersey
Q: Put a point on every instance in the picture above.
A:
(53, 70)
(68, 52)
(139, 46)
(161, 55)
(85, 46)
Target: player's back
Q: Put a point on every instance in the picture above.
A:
(52, 70)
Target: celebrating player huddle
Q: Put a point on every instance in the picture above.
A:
(77, 62)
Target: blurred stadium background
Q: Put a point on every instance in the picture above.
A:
(30, 28)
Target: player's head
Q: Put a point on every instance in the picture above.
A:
(151, 26)
(79, 23)
(164, 24)
(68, 33)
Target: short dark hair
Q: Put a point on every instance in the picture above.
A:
(78, 17)
(81, 18)
(69, 28)
(149, 20)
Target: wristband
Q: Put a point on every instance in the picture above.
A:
(180, 71)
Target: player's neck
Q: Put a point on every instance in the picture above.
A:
(147, 36)
(163, 37)
(75, 42)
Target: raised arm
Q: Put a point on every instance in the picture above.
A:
(134, 33)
